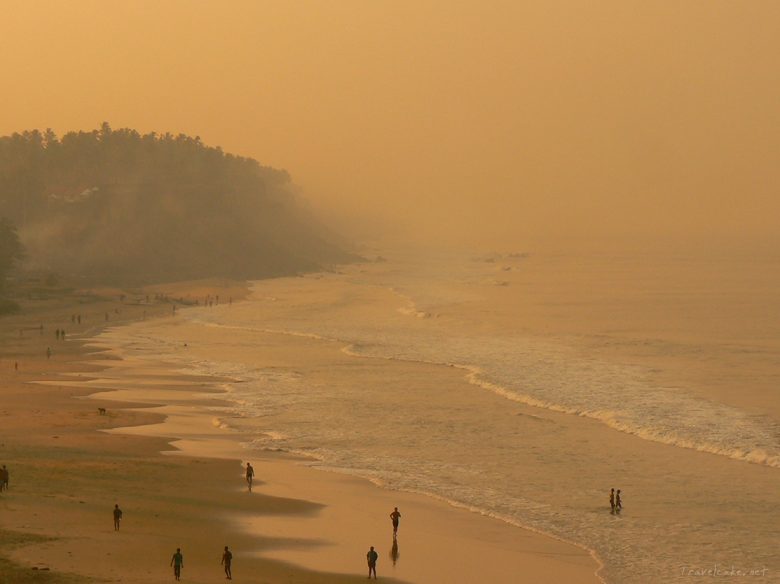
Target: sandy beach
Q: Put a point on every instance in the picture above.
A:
(69, 465)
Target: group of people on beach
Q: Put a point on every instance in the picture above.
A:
(372, 556)
(177, 560)
(615, 501)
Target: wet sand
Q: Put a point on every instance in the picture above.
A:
(70, 464)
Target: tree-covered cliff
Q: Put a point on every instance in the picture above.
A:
(118, 205)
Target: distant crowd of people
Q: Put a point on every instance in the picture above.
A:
(177, 560)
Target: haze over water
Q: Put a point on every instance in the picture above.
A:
(632, 147)
(536, 384)
(498, 123)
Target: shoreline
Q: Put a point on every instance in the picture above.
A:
(137, 424)
(209, 440)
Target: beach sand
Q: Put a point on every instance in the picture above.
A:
(69, 465)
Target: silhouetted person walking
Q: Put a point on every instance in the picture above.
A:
(4, 476)
(372, 557)
(612, 500)
(117, 516)
(395, 516)
(177, 561)
(227, 559)
(618, 502)
(250, 475)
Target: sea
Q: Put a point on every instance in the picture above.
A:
(533, 383)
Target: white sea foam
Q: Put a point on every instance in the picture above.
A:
(732, 433)
(218, 423)
(722, 422)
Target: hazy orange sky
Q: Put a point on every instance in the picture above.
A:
(495, 122)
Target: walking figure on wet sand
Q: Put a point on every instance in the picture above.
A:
(250, 474)
(227, 560)
(618, 502)
(372, 557)
(177, 561)
(395, 516)
(612, 500)
(117, 516)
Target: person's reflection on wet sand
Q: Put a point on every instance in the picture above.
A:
(394, 554)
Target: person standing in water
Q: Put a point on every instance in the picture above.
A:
(395, 516)
(372, 557)
(117, 516)
(250, 474)
(177, 561)
(227, 559)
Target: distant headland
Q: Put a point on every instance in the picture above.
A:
(120, 206)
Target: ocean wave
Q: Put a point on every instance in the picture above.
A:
(412, 311)
(476, 376)
(622, 421)
(611, 419)
(410, 308)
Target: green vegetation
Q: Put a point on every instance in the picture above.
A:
(115, 205)
(11, 250)
(13, 572)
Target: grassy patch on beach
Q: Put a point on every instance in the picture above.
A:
(9, 539)
(12, 572)
(8, 306)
